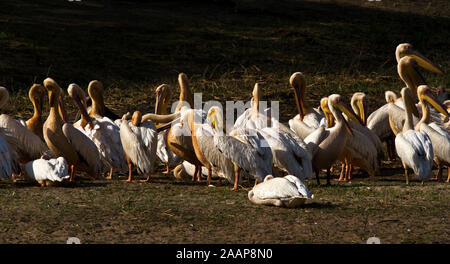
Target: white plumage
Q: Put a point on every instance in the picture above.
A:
(288, 191)
(54, 170)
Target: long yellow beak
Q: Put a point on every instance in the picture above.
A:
(425, 63)
(427, 96)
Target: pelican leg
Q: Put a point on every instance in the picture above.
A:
(448, 174)
(236, 179)
(195, 173)
(348, 175)
(148, 178)
(438, 174)
(199, 174)
(406, 173)
(130, 168)
(328, 177)
(72, 172)
(256, 181)
(167, 171)
(208, 181)
(109, 177)
(343, 171)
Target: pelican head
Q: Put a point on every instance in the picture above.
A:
(79, 97)
(406, 49)
(136, 118)
(55, 97)
(95, 91)
(390, 96)
(256, 97)
(185, 92)
(297, 81)
(424, 94)
(215, 118)
(326, 111)
(335, 101)
(359, 105)
(36, 95)
(4, 96)
(163, 96)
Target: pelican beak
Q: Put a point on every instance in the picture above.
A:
(344, 109)
(428, 96)
(62, 108)
(298, 100)
(424, 62)
(159, 95)
(164, 127)
(78, 101)
(362, 111)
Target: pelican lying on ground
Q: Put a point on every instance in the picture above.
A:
(440, 139)
(67, 141)
(287, 191)
(139, 141)
(327, 145)
(413, 147)
(308, 118)
(102, 131)
(47, 172)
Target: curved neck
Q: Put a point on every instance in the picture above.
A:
(425, 114)
(98, 106)
(408, 114)
(185, 95)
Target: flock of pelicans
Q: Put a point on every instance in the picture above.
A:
(257, 146)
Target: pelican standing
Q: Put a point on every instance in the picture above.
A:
(440, 139)
(413, 147)
(139, 141)
(327, 145)
(65, 140)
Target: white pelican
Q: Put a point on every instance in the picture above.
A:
(47, 172)
(327, 145)
(366, 150)
(139, 141)
(206, 151)
(27, 144)
(102, 131)
(163, 96)
(378, 121)
(286, 191)
(67, 141)
(308, 118)
(413, 147)
(439, 137)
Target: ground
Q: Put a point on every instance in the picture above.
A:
(224, 47)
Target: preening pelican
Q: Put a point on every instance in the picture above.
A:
(27, 144)
(139, 141)
(438, 136)
(286, 191)
(37, 93)
(308, 118)
(327, 145)
(163, 96)
(102, 131)
(413, 147)
(47, 172)
(378, 121)
(65, 140)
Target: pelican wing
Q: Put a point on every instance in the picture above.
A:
(5, 159)
(440, 140)
(84, 146)
(416, 151)
(26, 143)
(314, 139)
(135, 148)
(52, 170)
